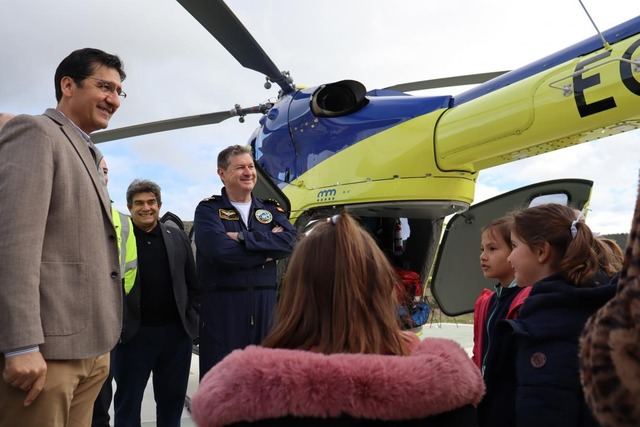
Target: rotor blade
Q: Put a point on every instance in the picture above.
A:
(179, 123)
(468, 79)
(220, 21)
(161, 126)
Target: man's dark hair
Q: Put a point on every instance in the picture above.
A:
(143, 186)
(81, 63)
(227, 153)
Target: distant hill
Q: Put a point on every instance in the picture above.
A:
(620, 239)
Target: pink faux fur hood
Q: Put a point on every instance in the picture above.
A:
(259, 383)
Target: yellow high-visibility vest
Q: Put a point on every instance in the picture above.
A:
(127, 253)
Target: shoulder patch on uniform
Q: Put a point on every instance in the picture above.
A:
(228, 214)
(275, 203)
(211, 198)
(264, 216)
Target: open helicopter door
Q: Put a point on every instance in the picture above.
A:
(266, 189)
(456, 279)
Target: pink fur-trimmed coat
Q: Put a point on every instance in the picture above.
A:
(260, 384)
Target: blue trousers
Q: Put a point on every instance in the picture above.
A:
(231, 320)
(164, 351)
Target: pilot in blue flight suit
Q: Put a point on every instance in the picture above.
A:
(238, 240)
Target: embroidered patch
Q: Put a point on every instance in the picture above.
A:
(264, 216)
(229, 215)
(274, 203)
(211, 199)
(538, 360)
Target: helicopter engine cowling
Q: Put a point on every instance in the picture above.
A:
(338, 99)
(294, 139)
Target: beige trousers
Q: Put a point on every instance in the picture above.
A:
(66, 400)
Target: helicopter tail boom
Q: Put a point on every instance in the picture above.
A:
(580, 100)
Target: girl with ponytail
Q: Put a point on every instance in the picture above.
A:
(559, 241)
(555, 252)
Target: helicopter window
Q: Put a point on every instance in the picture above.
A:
(256, 145)
(338, 99)
(559, 198)
(406, 229)
(394, 237)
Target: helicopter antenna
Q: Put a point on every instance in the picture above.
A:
(604, 41)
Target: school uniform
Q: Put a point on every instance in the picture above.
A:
(538, 356)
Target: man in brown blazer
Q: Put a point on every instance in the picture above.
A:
(60, 285)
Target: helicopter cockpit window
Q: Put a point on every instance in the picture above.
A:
(255, 144)
(338, 99)
(558, 198)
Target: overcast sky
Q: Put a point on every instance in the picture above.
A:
(175, 68)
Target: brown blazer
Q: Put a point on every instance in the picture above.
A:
(60, 283)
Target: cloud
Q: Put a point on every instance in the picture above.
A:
(612, 165)
(175, 68)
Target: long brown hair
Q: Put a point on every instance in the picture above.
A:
(575, 257)
(338, 294)
(610, 255)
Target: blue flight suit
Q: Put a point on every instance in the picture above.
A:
(237, 282)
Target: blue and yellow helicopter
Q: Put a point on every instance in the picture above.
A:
(403, 163)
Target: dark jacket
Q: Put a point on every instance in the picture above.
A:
(537, 383)
(238, 279)
(184, 282)
(223, 262)
(437, 385)
(490, 308)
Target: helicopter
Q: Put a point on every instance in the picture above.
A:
(386, 156)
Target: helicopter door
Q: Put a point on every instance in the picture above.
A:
(456, 279)
(266, 189)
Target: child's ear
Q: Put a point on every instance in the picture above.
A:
(543, 252)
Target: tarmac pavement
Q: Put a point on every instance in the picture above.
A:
(460, 333)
